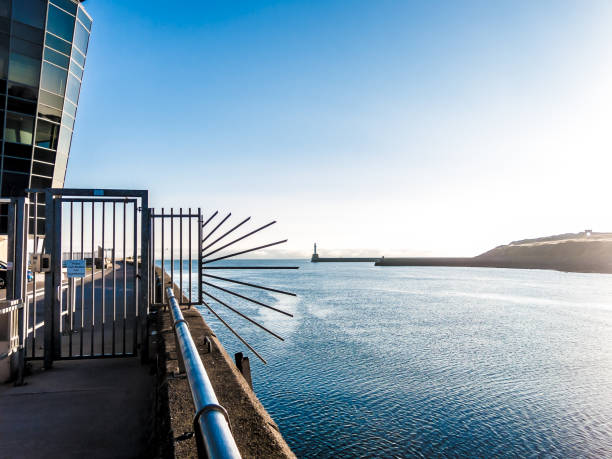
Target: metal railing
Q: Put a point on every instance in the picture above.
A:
(211, 422)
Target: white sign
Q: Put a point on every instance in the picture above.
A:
(75, 268)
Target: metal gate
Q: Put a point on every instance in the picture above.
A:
(96, 294)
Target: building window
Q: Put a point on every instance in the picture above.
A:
(81, 38)
(52, 114)
(53, 79)
(17, 150)
(21, 106)
(14, 184)
(58, 44)
(24, 69)
(66, 5)
(74, 68)
(84, 19)
(70, 108)
(47, 134)
(47, 156)
(31, 12)
(51, 99)
(42, 169)
(60, 23)
(25, 92)
(72, 90)
(68, 121)
(19, 128)
(57, 58)
(17, 165)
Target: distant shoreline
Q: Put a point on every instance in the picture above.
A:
(476, 262)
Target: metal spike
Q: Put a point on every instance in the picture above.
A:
(248, 299)
(216, 227)
(210, 218)
(226, 233)
(234, 332)
(243, 316)
(249, 284)
(244, 251)
(236, 240)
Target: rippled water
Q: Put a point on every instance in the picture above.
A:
(432, 362)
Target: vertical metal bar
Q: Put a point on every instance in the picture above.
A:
(181, 250)
(190, 221)
(200, 260)
(19, 281)
(56, 258)
(114, 278)
(48, 300)
(82, 280)
(93, 276)
(172, 247)
(103, 261)
(70, 314)
(34, 321)
(152, 261)
(135, 291)
(124, 275)
(144, 279)
(163, 267)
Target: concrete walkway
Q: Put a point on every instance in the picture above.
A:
(82, 408)
(91, 408)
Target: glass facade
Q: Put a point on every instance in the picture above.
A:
(43, 47)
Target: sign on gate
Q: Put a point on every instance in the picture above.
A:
(75, 268)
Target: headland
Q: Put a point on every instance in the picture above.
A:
(587, 252)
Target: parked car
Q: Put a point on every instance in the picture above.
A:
(3, 274)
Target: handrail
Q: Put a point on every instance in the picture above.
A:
(211, 423)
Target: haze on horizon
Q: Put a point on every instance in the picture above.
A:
(371, 128)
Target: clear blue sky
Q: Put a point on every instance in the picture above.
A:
(394, 127)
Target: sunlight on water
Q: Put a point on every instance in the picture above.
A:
(430, 362)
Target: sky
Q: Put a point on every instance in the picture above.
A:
(438, 128)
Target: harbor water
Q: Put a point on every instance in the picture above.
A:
(429, 361)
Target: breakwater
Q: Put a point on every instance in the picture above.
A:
(343, 260)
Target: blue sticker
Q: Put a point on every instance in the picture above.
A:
(98, 192)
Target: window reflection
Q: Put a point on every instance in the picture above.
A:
(31, 12)
(47, 134)
(49, 113)
(58, 44)
(68, 121)
(72, 90)
(26, 32)
(84, 19)
(70, 108)
(60, 23)
(24, 69)
(56, 58)
(74, 68)
(66, 5)
(53, 79)
(19, 128)
(25, 92)
(81, 38)
(78, 57)
(51, 99)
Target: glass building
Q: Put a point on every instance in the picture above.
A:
(43, 46)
